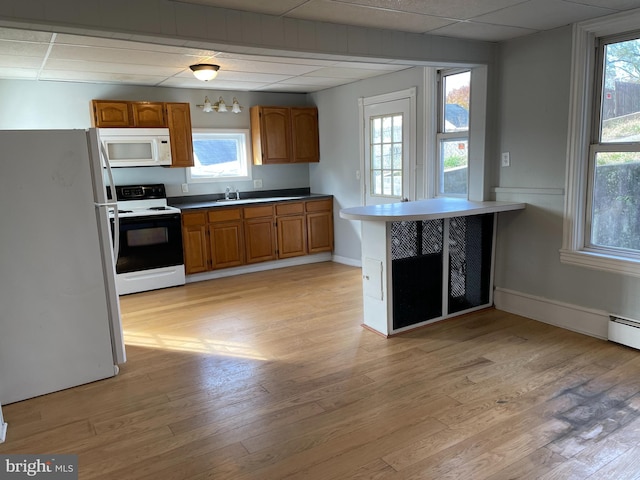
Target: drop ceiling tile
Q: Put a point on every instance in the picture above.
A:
(93, 77)
(23, 49)
(265, 58)
(18, 73)
(613, 4)
(315, 81)
(117, 55)
(236, 65)
(78, 40)
(482, 31)
(455, 9)
(106, 67)
(20, 62)
(543, 14)
(340, 72)
(329, 11)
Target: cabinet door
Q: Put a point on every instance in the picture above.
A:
(320, 232)
(148, 114)
(275, 135)
(111, 114)
(196, 256)
(305, 141)
(179, 123)
(292, 236)
(259, 240)
(227, 245)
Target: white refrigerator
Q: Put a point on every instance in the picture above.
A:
(60, 320)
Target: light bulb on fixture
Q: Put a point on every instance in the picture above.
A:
(235, 107)
(220, 106)
(205, 71)
(206, 107)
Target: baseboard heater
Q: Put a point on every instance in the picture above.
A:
(625, 331)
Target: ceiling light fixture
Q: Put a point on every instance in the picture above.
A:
(205, 71)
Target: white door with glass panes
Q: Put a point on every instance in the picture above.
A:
(387, 152)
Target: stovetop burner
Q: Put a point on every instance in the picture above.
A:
(158, 208)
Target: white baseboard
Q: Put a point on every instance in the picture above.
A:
(347, 261)
(571, 317)
(259, 267)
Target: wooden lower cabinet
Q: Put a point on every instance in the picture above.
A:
(319, 226)
(224, 237)
(259, 233)
(227, 244)
(195, 242)
(291, 230)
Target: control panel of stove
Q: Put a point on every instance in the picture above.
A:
(139, 192)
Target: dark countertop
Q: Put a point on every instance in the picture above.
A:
(246, 198)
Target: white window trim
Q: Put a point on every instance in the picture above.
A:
(574, 250)
(441, 135)
(240, 178)
(409, 93)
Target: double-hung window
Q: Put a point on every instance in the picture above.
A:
(613, 213)
(453, 133)
(602, 214)
(220, 155)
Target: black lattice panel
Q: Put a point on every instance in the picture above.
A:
(470, 245)
(416, 252)
(404, 240)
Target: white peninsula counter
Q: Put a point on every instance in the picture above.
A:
(427, 260)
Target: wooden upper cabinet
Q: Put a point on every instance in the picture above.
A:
(175, 116)
(179, 122)
(284, 135)
(305, 138)
(148, 114)
(111, 113)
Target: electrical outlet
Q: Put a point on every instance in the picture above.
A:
(185, 188)
(257, 183)
(506, 159)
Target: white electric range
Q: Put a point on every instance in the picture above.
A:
(149, 243)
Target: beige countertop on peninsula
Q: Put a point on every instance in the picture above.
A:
(426, 210)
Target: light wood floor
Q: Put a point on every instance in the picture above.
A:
(270, 376)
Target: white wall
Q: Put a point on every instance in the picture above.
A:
(533, 117)
(62, 105)
(340, 149)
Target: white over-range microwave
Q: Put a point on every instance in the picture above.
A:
(136, 147)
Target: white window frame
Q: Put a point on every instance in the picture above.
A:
(247, 160)
(442, 136)
(574, 250)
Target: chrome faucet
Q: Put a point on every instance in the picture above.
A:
(226, 193)
(237, 194)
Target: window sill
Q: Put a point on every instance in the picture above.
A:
(599, 261)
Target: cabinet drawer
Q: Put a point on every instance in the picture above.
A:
(197, 218)
(290, 208)
(320, 205)
(224, 214)
(256, 212)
